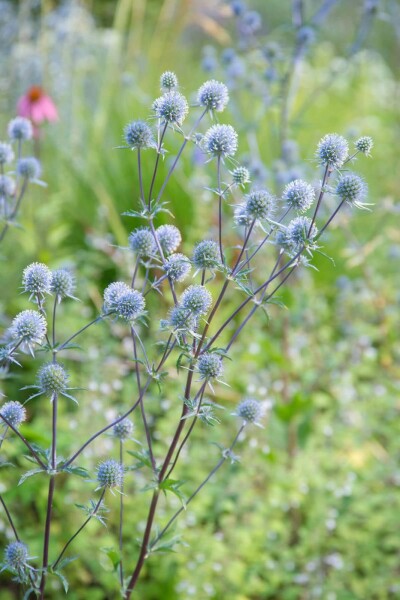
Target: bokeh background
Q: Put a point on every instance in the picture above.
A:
(311, 510)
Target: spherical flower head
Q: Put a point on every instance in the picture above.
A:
(299, 194)
(141, 241)
(130, 305)
(113, 292)
(238, 7)
(52, 379)
(169, 238)
(206, 255)
(249, 410)
(297, 233)
(20, 129)
(182, 319)
(29, 168)
(197, 299)
(14, 412)
(251, 22)
(6, 153)
(7, 186)
(364, 144)
(351, 188)
(241, 217)
(260, 204)
(240, 176)
(16, 555)
(138, 135)
(168, 81)
(37, 279)
(110, 474)
(281, 238)
(123, 430)
(29, 326)
(62, 283)
(220, 141)
(209, 365)
(213, 95)
(172, 107)
(177, 267)
(332, 151)
(306, 35)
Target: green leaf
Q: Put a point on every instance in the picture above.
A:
(80, 471)
(30, 474)
(114, 556)
(143, 457)
(173, 485)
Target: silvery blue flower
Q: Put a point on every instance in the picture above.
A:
(206, 255)
(6, 153)
(213, 95)
(7, 186)
(130, 305)
(351, 188)
(197, 299)
(332, 150)
(113, 292)
(142, 241)
(220, 141)
(29, 168)
(249, 410)
(20, 129)
(209, 365)
(37, 279)
(168, 81)
(177, 266)
(62, 284)
(298, 235)
(29, 326)
(123, 430)
(169, 238)
(260, 204)
(182, 319)
(110, 474)
(171, 107)
(299, 194)
(14, 412)
(16, 555)
(364, 144)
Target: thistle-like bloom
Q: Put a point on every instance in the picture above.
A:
(112, 293)
(141, 241)
(6, 153)
(14, 412)
(62, 284)
(240, 176)
(29, 167)
(241, 217)
(332, 151)
(220, 141)
(364, 144)
(52, 379)
(182, 319)
(177, 267)
(172, 107)
(130, 305)
(213, 95)
(197, 299)
(168, 81)
(260, 204)
(7, 186)
(16, 556)
(169, 238)
(206, 255)
(123, 430)
(251, 22)
(20, 129)
(138, 135)
(110, 474)
(299, 194)
(209, 365)
(297, 233)
(249, 410)
(37, 279)
(351, 188)
(29, 327)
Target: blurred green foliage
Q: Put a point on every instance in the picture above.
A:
(310, 511)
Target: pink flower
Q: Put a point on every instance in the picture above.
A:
(37, 106)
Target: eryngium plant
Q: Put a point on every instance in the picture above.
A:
(275, 236)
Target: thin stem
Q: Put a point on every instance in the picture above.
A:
(27, 444)
(200, 487)
(45, 560)
(172, 169)
(121, 517)
(156, 163)
(96, 320)
(185, 439)
(96, 508)
(11, 522)
(220, 210)
(321, 195)
(140, 175)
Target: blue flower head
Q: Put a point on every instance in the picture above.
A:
(171, 107)
(209, 365)
(220, 141)
(110, 474)
(213, 95)
(29, 327)
(141, 241)
(169, 238)
(168, 81)
(299, 194)
(197, 299)
(37, 279)
(260, 204)
(177, 266)
(14, 412)
(138, 135)
(20, 129)
(206, 255)
(352, 189)
(30, 168)
(332, 151)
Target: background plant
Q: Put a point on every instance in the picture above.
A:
(368, 291)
